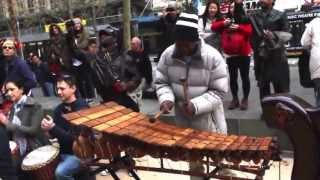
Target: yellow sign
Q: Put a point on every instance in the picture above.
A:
(63, 25)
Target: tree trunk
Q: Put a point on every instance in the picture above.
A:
(70, 10)
(126, 23)
(12, 18)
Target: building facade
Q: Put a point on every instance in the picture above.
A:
(25, 7)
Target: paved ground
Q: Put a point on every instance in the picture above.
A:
(277, 171)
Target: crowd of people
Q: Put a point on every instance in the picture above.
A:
(199, 60)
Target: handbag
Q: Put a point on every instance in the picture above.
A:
(304, 71)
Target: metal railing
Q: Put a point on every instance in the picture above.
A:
(40, 29)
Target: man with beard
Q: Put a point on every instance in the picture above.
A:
(166, 26)
(270, 61)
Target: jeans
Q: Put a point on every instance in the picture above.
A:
(68, 166)
(47, 89)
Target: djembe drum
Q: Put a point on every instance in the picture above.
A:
(42, 162)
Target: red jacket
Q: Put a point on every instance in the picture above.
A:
(235, 42)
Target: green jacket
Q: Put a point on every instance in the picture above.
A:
(30, 116)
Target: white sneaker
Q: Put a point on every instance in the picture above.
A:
(104, 173)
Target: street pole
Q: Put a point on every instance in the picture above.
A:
(94, 21)
(126, 23)
(19, 36)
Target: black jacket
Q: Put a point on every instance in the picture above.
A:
(143, 64)
(106, 71)
(63, 130)
(6, 166)
(17, 69)
(273, 66)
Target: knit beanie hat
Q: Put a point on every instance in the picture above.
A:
(187, 27)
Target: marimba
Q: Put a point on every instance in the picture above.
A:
(121, 129)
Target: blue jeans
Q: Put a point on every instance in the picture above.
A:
(47, 89)
(68, 166)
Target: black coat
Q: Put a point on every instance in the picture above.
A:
(273, 66)
(6, 166)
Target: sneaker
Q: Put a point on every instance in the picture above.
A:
(244, 104)
(233, 104)
(104, 173)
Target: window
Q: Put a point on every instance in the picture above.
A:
(42, 3)
(31, 6)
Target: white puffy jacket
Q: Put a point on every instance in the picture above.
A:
(311, 39)
(208, 83)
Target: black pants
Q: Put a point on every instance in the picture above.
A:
(8, 178)
(278, 87)
(241, 63)
(316, 83)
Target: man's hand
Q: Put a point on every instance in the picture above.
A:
(227, 22)
(119, 86)
(269, 35)
(188, 109)
(3, 90)
(234, 27)
(47, 123)
(131, 86)
(3, 119)
(166, 106)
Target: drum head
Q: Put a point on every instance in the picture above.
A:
(39, 157)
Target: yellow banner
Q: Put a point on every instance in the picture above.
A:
(63, 25)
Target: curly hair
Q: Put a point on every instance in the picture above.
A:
(51, 34)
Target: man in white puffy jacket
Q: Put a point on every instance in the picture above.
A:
(206, 73)
(311, 39)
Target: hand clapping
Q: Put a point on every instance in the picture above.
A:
(3, 119)
(47, 123)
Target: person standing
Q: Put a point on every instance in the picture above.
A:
(59, 55)
(166, 25)
(137, 68)
(43, 75)
(58, 127)
(270, 60)
(111, 79)
(210, 15)
(311, 40)
(235, 42)
(192, 77)
(13, 67)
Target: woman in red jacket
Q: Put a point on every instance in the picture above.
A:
(236, 32)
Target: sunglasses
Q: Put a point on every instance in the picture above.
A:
(7, 47)
(170, 9)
